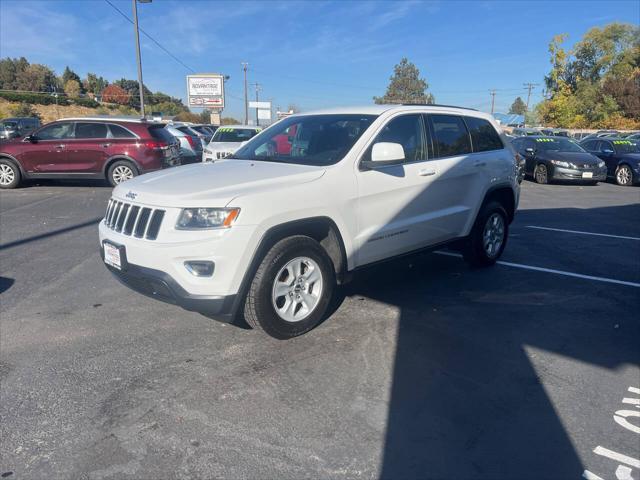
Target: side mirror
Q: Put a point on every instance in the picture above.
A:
(529, 151)
(31, 138)
(383, 154)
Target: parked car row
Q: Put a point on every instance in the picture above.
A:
(549, 158)
(578, 136)
(98, 147)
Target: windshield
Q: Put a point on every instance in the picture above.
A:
(557, 144)
(318, 140)
(626, 146)
(9, 125)
(235, 135)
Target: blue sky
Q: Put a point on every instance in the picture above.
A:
(315, 54)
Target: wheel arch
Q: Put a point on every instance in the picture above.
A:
(6, 156)
(111, 160)
(504, 195)
(322, 229)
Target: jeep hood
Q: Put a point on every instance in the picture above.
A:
(213, 184)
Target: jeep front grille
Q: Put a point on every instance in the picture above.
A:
(128, 219)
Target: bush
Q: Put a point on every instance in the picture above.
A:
(24, 110)
(34, 98)
(85, 102)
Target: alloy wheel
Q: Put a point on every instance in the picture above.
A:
(541, 174)
(297, 289)
(493, 235)
(7, 175)
(623, 175)
(122, 173)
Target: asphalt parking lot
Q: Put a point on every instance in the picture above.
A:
(427, 369)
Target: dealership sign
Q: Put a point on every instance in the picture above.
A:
(206, 90)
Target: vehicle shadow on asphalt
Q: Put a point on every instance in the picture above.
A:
(51, 233)
(466, 400)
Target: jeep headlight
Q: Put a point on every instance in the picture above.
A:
(206, 218)
(560, 163)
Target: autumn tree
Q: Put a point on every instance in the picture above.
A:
(72, 88)
(406, 86)
(115, 94)
(518, 107)
(68, 75)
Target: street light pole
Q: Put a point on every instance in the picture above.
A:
(138, 60)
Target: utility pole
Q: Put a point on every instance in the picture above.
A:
(493, 99)
(530, 87)
(139, 61)
(246, 101)
(258, 88)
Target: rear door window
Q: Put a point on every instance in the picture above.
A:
(484, 137)
(91, 130)
(120, 132)
(450, 135)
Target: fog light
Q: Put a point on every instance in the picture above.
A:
(200, 268)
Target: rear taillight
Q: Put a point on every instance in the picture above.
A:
(156, 145)
(191, 141)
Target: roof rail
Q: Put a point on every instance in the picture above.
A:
(437, 105)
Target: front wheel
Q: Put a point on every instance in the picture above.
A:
(291, 289)
(541, 174)
(121, 171)
(624, 176)
(9, 174)
(488, 237)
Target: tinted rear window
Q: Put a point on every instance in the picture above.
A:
(120, 132)
(91, 130)
(450, 135)
(159, 133)
(483, 136)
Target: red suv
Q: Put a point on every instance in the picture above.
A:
(114, 149)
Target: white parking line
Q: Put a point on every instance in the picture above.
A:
(584, 233)
(551, 270)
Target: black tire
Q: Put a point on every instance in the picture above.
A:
(474, 251)
(624, 176)
(9, 174)
(117, 167)
(259, 309)
(541, 174)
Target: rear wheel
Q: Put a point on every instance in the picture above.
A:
(488, 237)
(624, 175)
(121, 171)
(540, 174)
(9, 174)
(291, 289)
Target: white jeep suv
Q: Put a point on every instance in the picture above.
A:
(264, 236)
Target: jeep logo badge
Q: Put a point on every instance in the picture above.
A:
(131, 195)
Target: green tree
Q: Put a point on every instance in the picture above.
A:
(94, 84)
(132, 87)
(518, 107)
(168, 108)
(69, 74)
(72, 88)
(36, 78)
(406, 86)
(7, 74)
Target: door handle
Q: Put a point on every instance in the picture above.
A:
(426, 172)
(60, 146)
(479, 164)
(105, 145)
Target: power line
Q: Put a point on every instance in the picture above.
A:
(493, 99)
(529, 87)
(151, 38)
